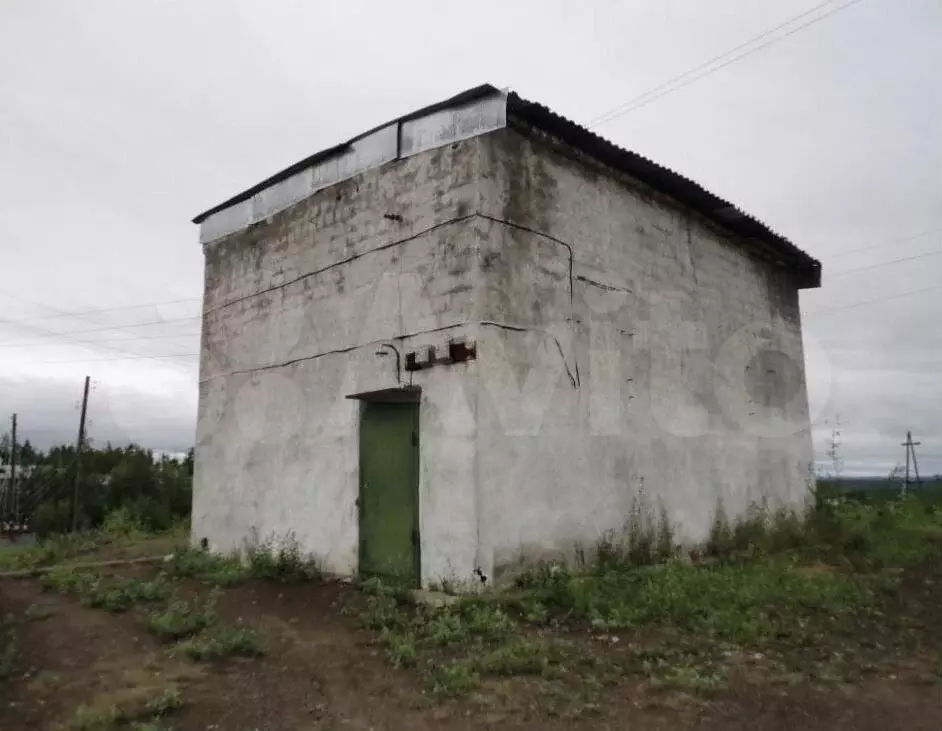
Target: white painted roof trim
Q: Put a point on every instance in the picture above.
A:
(397, 140)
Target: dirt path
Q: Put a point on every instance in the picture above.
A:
(321, 671)
(67, 655)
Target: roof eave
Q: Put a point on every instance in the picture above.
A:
(668, 182)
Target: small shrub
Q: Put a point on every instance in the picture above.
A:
(89, 718)
(446, 629)
(519, 657)
(149, 591)
(112, 595)
(181, 619)
(665, 546)
(648, 540)
(695, 679)
(165, 703)
(221, 642)
(787, 532)
(66, 580)
(401, 649)
(453, 680)
(209, 568)
(286, 563)
(446, 586)
(486, 621)
(471, 621)
(384, 607)
(608, 556)
(750, 531)
(548, 575)
(720, 542)
(120, 523)
(123, 594)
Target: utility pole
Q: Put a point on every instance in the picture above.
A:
(13, 491)
(78, 456)
(910, 446)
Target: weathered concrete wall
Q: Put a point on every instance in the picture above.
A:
(295, 308)
(641, 353)
(625, 347)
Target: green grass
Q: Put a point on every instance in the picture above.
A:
(165, 703)
(456, 645)
(518, 656)
(744, 603)
(209, 568)
(182, 619)
(862, 534)
(50, 551)
(770, 581)
(896, 534)
(453, 679)
(284, 562)
(691, 678)
(401, 648)
(673, 667)
(142, 716)
(725, 605)
(219, 642)
(113, 594)
(88, 719)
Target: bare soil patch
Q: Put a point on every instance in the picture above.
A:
(322, 670)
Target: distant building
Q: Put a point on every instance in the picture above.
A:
(481, 335)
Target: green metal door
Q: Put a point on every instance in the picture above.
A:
(389, 491)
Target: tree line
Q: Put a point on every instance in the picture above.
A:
(155, 491)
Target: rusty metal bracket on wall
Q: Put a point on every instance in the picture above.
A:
(459, 351)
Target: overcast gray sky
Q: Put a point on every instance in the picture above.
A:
(119, 121)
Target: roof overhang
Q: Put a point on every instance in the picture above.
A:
(398, 395)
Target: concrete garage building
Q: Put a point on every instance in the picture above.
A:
(480, 335)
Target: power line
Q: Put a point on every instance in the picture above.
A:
(624, 105)
(68, 335)
(31, 344)
(881, 244)
(708, 68)
(852, 305)
(68, 339)
(120, 327)
(108, 360)
(884, 264)
(100, 311)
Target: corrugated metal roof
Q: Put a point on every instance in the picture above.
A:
(666, 181)
(522, 113)
(462, 98)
